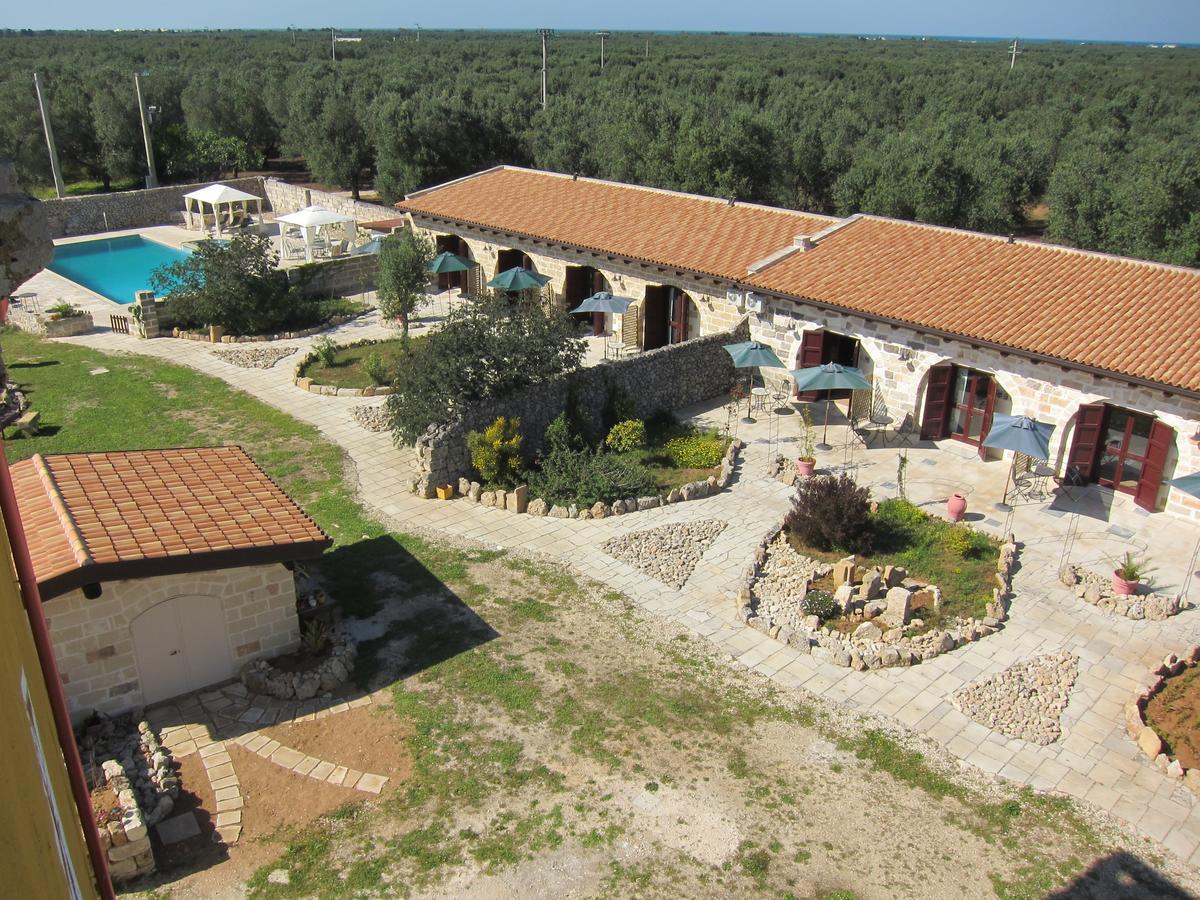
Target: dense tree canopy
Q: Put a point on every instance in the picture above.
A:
(1107, 136)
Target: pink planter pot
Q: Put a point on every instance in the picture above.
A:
(805, 467)
(1123, 588)
(956, 507)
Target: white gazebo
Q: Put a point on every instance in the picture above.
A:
(311, 225)
(217, 197)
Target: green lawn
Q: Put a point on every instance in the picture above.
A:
(79, 188)
(347, 370)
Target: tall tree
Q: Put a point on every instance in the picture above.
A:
(403, 275)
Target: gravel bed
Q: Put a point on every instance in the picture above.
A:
(781, 584)
(668, 553)
(1026, 700)
(254, 357)
(372, 417)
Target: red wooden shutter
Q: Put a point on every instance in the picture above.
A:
(812, 345)
(988, 408)
(679, 311)
(938, 394)
(1086, 446)
(1162, 438)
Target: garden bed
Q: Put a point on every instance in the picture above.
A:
(1096, 589)
(348, 366)
(1163, 718)
(335, 313)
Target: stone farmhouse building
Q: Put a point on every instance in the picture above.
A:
(160, 571)
(950, 325)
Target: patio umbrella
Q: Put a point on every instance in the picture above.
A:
(371, 247)
(1189, 484)
(446, 262)
(603, 302)
(830, 377)
(1020, 434)
(518, 279)
(752, 355)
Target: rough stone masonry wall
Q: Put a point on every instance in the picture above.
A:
(93, 644)
(340, 277)
(287, 198)
(661, 380)
(25, 247)
(94, 213)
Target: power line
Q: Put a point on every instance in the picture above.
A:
(1015, 49)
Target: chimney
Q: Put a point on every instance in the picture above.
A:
(803, 242)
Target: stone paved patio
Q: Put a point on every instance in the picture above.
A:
(1094, 760)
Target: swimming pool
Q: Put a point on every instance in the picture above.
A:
(116, 267)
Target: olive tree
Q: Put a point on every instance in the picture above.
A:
(403, 274)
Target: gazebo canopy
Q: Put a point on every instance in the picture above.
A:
(213, 194)
(309, 220)
(216, 196)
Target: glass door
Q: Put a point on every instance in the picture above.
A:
(1126, 444)
(970, 406)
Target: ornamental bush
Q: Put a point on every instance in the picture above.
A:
(627, 435)
(584, 477)
(832, 513)
(375, 367)
(702, 450)
(819, 603)
(496, 452)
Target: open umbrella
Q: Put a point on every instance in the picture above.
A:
(446, 262)
(371, 247)
(830, 377)
(603, 302)
(518, 279)
(752, 355)
(1189, 484)
(1020, 434)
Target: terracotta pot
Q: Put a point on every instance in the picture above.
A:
(1123, 588)
(805, 467)
(956, 507)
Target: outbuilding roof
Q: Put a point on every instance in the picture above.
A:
(93, 517)
(687, 231)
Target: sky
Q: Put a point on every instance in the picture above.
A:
(1175, 21)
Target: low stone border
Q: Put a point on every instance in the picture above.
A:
(328, 390)
(36, 323)
(126, 843)
(302, 764)
(870, 647)
(1097, 590)
(517, 500)
(1146, 737)
(258, 338)
(260, 676)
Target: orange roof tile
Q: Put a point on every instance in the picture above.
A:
(91, 517)
(1123, 315)
(702, 234)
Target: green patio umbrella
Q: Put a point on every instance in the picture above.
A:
(447, 262)
(518, 279)
(1189, 484)
(830, 377)
(752, 355)
(1020, 434)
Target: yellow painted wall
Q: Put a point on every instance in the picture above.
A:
(43, 853)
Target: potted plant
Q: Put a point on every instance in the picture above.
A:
(806, 462)
(1127, 576)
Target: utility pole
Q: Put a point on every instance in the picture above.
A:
(333, 43)
(418, 34)
(59, 188)
(152, 175)
(1014, 50)
(544, 33)
(647, 48)
(603, 35)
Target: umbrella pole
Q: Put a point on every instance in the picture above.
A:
(1003, 504)
(1191, 572)
(824, 445)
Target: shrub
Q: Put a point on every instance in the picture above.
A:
(325, 349)
(832, 512)
(403, 275)
(63, 310)
(375, 367)
(561, 436)
(958, 540)
(496, 452)
(819, 603)
(702, 450)
(627, 435)
(587, 476)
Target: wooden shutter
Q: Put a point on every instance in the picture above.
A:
(812, 345)
(629, 325)
(989, 407)
(679, 312)
(1162, 438)
(1085, 448)
(938, 394)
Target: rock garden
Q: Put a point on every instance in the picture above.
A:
(1026, 700)
(668, 553)
(873, 585)
(254, 357)
(1164, 718)
(1101, 591)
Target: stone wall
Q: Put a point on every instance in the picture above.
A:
(287, 198)
(95, 213)
(897, 359)
(340, 277)
(37, 323)
(93, 643)
(25, 247)
(657, 381)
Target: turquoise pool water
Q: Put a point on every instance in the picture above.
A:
(115, 268)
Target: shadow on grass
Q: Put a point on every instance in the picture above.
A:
(40, 364)
(1121, 875)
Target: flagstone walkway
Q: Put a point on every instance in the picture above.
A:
(1093, 761)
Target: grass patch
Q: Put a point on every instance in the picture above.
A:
(348, 369)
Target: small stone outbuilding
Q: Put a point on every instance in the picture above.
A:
(161, 571)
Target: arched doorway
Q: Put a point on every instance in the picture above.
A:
(1121, 449)
(181, 645)
(818, 347)
(665, 314)
(512, 259)
(959, 404)
(582, 282)
(452, 243)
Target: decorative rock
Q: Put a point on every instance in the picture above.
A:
(1175, 769)
(618, 507)
(488, 498)
(868, 631)
(559, 512)
(518, 500)
(464, 487)
(1149, 742)
(668, 553)
(898, 606)
(600, 510)
(871, 586)
(1025, 700)
(675, 496)
(475, 492)
(537, 507)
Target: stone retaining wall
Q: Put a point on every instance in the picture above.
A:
(262, 677)
(287, 198)
(51, 328)
(661, 380)
(1146, 737)
(94, 213)
(339, 277)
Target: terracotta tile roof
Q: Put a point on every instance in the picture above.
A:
(685, 231)
(93, 517)
(1136, 318)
